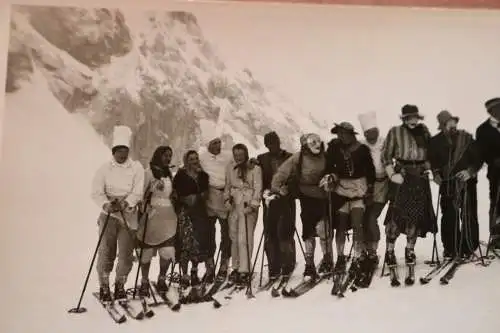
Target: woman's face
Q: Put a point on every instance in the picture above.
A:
(412, 121)
(239, 155)
(166, 157)
(193, 162)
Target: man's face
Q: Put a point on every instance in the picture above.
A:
(346, 137)
(495, 113)
(371, 135)
(451, 126)
(215, 147)
(121, 155)
(412, 121)
(274, 146)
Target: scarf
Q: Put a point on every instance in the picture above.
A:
(420, 134)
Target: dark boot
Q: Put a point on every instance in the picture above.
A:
(144, 289)
(195, 280)
(410, 257)
(326, 264)
(105, 293)
(161, 285)
(341, 264)
(234, 276)
(120, 292)
(390, 259)
(244, 279)
(310, 271)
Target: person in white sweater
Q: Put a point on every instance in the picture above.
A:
(117, 188)
(214, 162)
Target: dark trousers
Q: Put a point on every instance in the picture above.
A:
(459, 209)
(225, 243)
(279, 228)
(494, 205)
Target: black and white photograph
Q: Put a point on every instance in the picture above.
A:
(251, 167)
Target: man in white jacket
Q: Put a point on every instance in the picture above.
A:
(117, 188)
(214, 162)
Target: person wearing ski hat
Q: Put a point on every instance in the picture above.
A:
(410, 211)
(279, 212)
(300, 175)
(488, 140)
(117, 188)
(350, 164)
(214, 162)
(454, 157)
(376, 204)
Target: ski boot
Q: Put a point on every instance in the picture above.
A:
(161, 285)
(392, 264)
(144, 289)
(105, 293)
(234, 276)
(352, 275)
(244, 279)
(184, 281)
(339, 272)
(371, 266)
(362, 272)
(209, 276)
(120, 293)
(410, 261)
(326, 265)
(310, 272)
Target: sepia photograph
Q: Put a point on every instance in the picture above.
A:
(252, 167)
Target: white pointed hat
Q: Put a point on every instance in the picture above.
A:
(368, 120)
(121, 136)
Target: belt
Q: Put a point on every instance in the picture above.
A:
(409, 163)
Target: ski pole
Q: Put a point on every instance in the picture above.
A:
(249, 287)
(435, 251)
(146, 220)
(78, 308)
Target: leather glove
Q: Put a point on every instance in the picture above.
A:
(397, 178)
(437, 179)
(327, 183)
(464, 175)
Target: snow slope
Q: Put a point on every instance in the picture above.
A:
(49, 159)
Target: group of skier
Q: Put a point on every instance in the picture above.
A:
(342, 185)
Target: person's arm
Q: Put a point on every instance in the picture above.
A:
(388, 152)
(98, 190)
(370, 172)
(285, 170)
(137, 192)
(257, 187)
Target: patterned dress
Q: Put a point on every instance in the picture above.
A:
(192, 229)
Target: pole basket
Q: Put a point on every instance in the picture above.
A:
(77, 310)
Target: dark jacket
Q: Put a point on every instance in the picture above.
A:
(266, 164)
(360, 158)
(450, 155)
(488, 141)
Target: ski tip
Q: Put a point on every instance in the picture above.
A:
(217, 304)
(423, 281)
(122, 320)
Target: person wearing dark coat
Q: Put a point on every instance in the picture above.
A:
(279, 212)
(454, 158)
(488, 140)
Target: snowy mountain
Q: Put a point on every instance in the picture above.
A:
(153, 71)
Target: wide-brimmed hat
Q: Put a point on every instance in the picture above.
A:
(343, 126)
(492, 103)
(443, 117)
(410, 110)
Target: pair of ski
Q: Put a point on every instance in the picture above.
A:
(394, 275)
(451, 264)
(125, 308)
(226, 293)
(352, 279)
(276, 286)
(306, 285)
